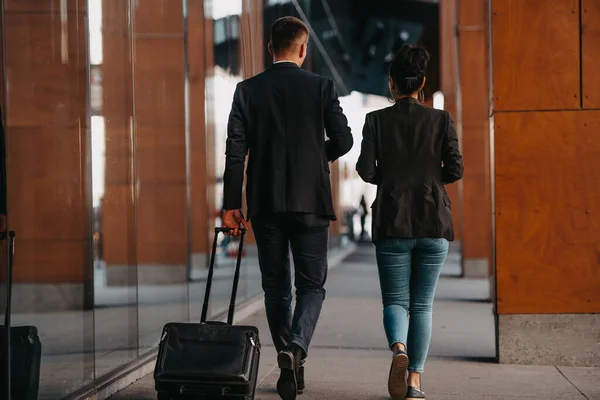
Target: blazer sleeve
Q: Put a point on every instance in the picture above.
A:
(340, 139)
(452, 168)
(367, 161)
(235, 154)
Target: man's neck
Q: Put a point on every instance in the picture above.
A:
(283, 60)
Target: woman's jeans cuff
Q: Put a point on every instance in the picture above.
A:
(400, 341)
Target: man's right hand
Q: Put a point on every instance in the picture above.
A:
(232, 219)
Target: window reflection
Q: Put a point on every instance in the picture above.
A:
(116, 126)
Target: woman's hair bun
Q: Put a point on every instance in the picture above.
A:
(408, 68)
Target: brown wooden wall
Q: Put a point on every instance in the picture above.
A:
(202, 165)
(118, 204)
(46, 117)
(590, 29)
(475, 91)
(546, 149)
(146, 137)
(450, 88)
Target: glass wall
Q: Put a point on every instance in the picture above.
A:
(115, 114)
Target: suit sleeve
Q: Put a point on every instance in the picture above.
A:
(367, 161)
(336, 124)
(235, 154)
(452, 168)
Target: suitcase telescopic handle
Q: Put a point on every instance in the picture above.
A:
(10, 244)
(10, 248)
(236, 277)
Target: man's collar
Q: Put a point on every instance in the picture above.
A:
(284, 64)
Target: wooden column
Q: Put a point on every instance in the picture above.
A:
(475, 144)
(450, 89)
(118, 204)
(160, 133)
(252, 48)
(47, 150)
(153, 145)
(201, 138)
(547, 188)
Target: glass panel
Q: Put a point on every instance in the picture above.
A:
(161, 156)
(113, 145)
(49, 185)
(222, 73)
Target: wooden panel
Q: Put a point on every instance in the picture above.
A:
(159, 83)
(47, 134)
(118, 157)
(448, 50)
(547, 212)
(201, 172)
(473, 75)
(454, 190)
(44, 182)
(118, 225)
(536, 54)
(161, 226)
(160, 156)
(45, 88)
(473, 13)
(43, 6)
(476, 192)
(449, 86)
(50, 261)
(476, 199)
(159, 17)
(590, 41)
(118, 207)
(117, 75)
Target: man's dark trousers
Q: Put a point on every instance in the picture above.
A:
(307, 234)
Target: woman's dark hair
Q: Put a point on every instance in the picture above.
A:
(408, 68)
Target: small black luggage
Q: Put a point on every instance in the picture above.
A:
(212, 359)
(21, 350)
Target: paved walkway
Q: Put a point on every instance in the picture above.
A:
(348, 359)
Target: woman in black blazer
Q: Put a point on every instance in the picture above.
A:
(410, 151)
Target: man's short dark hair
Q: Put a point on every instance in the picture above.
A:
(285, 33)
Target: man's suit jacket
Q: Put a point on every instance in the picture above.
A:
(280, 117)
(410, 151)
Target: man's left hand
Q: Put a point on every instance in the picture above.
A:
(232, 219)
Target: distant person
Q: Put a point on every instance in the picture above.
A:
(363, 217)
(410, 151)
(280, 117)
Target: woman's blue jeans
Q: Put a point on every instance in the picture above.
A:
(409, 270)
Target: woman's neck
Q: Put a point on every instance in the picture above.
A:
(407, 96)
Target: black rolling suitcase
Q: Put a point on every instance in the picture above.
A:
(21, 350)
(209, 360)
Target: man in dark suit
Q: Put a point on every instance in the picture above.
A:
(280, 117)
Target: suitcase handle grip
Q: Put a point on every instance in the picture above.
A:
(225, 230)
(236, 277)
